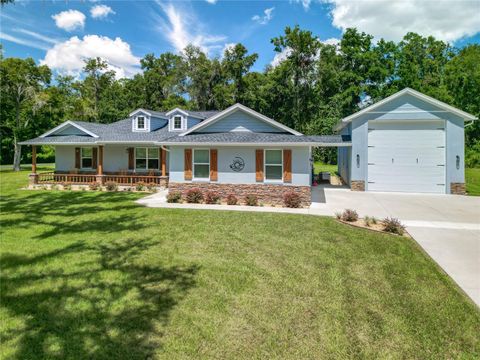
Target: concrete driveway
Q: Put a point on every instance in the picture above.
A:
(446, 226)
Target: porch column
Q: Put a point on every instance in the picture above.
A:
(33, 177)
(99, 176)
(164, 161)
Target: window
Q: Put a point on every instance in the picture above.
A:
(177, 123)
(273, 165)
(201, 164)
(87, 158)
(146, 158)
(141, 122)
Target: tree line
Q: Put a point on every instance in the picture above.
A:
(314, 86)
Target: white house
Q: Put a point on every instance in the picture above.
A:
(407, 142)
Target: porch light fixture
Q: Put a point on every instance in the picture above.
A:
(458, 162)
(358, 160)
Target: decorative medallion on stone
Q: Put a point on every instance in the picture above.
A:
(237, 164)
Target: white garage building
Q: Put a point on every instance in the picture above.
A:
(408, 142)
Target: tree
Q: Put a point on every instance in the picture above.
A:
(237, 64)
(21, 84)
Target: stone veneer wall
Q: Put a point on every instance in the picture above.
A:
(457, 188)
(357, 185)
(268, 194)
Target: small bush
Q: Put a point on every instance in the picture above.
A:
(152, 187)
(232, 199)
(194, 196)
(251, 200)
(174, 196)
(94, 186)
(140, 186)
(393, 225)
(367, 220)
(111, 186)
(349, 215)
(374, 220)
(55, 187)
(212, 197)
(292, 200)
(338, 215)
(67, 186)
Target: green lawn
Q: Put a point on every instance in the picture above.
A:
(472, 179)
(92, 275)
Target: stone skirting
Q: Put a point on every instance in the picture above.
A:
(457, 188)
(357, 185)
(267, 194)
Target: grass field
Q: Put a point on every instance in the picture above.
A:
(92, 275)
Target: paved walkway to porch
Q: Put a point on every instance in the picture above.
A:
(447, 227)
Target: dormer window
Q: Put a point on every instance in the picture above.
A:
(141, 122)
(177, 123)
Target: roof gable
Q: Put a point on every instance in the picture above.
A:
(406, 101)
(251, 121)
(69, 128)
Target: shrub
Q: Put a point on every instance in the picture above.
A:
(174, 196)
(111, 186)
(338, 215)
(212, 197)
(374, 220)
(367, 220)
(292, 200)
(251, 200)
(194, 196)
(55, 187)
(232, 199)
(393, 225)
(140, 186)
(349, 215)
(67, 186)
(94, 186)
(152, 187)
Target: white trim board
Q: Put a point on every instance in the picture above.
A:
(65, 124)
(239, 107)
(409, 91)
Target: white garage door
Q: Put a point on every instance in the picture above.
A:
(406, 156)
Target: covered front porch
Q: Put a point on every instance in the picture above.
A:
(86, 165)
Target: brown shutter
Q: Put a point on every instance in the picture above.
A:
(131, 158)
(287, 166)
(77, 158)
(213, 165)
(259, 165)
(188, 164)
(163, 162)
(94, 157)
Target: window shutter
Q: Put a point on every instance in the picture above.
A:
(188, 164)
(163, 162)
(213, 165)
(131, 158)
(94, 157)
(259, 165)
(287, 166)
(77, 158)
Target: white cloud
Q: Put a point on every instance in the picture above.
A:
(69, 20)
(444, 19)
(331, 41)
(37, 36)
(265, 19)
(305, 3)
(281, 56)
(68, 56)
(213, 2)
(17, 40)
(182, 28)
(101, 11)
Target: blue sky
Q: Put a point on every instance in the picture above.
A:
(62, 33)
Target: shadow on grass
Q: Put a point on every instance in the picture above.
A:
(110, 305)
